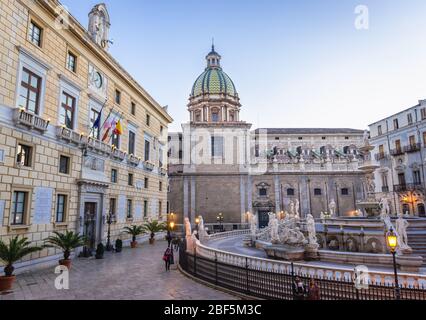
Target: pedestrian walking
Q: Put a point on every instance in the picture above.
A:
(167, 257)
(169, 237)
(299, 289)
(313, 291)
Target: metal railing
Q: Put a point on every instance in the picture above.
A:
(412, 148)
(397, 152)
(277, 284)
(408, 187)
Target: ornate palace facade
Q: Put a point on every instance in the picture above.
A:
(62, 95)
(217, 164)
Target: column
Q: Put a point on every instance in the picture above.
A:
(243, 198)
(249, 194)
(192, 210)
(277, 193)
(185, 197)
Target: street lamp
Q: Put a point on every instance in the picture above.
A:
(392, 242)
(220, 219)
(110, 220)
(197, 223)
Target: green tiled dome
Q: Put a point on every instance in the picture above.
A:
(213, 81)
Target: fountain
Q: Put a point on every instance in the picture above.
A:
(369, 204)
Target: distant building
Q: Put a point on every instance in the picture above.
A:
(217, 164)
(400, 142)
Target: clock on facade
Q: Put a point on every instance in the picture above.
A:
(97, 80)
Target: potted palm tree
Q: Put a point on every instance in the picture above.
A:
(10, 253)
(67, 241)
(134, 231)
(153, 227)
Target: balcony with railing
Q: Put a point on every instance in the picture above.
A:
(412, 148)
(70, 135)
(98, 145)
(118, 154)
(417, 186)
(132, 159)
(30, 120)
(381, 156)
(397, 152)
(148, 165)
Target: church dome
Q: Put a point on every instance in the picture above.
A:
(213, 80)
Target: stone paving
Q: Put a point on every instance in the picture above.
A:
(133, 274)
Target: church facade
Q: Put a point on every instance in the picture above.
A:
(222, 169)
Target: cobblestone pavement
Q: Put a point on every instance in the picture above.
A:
(133, 274)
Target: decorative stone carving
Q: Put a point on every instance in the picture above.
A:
(93, 163)
(187, 227)
(401, 229)
(273, 225)
(253, 224)
(332, 207)
(312, 234)
(385, 209)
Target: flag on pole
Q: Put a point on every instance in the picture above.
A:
(108, 125)
(97, 122)
(118, 128)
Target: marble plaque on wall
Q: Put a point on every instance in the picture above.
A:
(43, 198)
(121, 208)
(138, 210)
(2, 204)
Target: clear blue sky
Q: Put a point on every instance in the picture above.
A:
(295, 63)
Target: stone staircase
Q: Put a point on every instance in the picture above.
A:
(417, 238)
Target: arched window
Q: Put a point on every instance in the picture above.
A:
(198, 116)
(405, 208)
(421, 210)
(215, 115)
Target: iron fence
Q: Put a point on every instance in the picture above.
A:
(278, 285)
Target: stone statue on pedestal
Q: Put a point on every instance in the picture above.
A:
(332, 207)
(401, 226)
(274, 224)
(296, 209)
(188, 232)
(312, 233)
(385, 209)
(366, 138)
(291, 209)
(253, 224)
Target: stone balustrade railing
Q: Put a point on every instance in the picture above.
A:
(322, 271)
(228, 234)
(99, 145)
(31, 120)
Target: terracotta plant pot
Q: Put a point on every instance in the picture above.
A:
(66, 263)
(6, 283)
(133, 244)
(151, 240)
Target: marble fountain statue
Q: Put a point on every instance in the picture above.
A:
(285, 240)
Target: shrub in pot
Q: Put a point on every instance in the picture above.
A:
(153, 227)
(67, 241)
(15, 250)
(100, 249)
(118, 245)
(134, 231)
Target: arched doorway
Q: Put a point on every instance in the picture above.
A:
(421, 210)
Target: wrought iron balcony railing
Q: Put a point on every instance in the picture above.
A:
(397, 152)
(412, 148)
(408, 187)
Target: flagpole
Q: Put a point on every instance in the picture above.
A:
(106, 119)
(121, 117)
(100, 112)
(103, 137)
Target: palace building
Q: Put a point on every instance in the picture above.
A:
(218, 164)
(80, 140)
(400, 142)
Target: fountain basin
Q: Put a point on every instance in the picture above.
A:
(285, 252)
